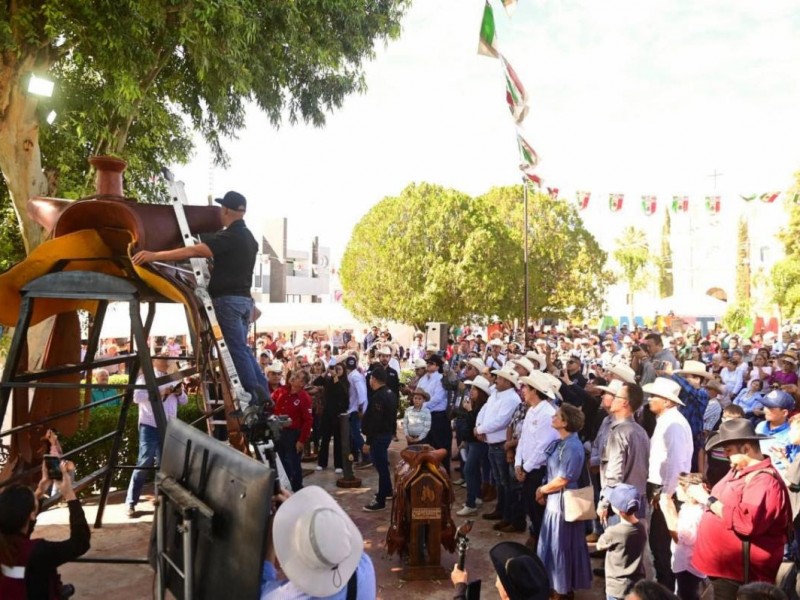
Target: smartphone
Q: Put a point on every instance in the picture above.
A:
(53, 465)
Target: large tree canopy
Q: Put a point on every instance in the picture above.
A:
(435, 254)
(786, 272)
(153, 63)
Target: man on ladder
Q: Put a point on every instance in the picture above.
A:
(233, 249)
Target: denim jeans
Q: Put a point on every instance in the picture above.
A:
(497, 458)
(290, 457)
(356, 439)
(379, 451)
(535, 511)
(149, 454)
(476, 451)
(233, 314)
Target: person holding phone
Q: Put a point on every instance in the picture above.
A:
(29, 568)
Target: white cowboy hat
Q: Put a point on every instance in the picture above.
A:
(613, 387)
(481, 383)
(539, 359)
(318, 545)
(696, 368)
(623, 371)
(525, 364)
(275, 367)
(496, 342)
(555, 383)
(478, 364)
(538, 381)
(508, 374)
(385, 350)
(664, 388)
(419, 364)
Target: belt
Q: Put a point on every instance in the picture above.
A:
(494, 445)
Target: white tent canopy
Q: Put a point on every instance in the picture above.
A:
(170, 319)
(304, 316)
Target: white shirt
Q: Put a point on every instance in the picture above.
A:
(170, 403)
(732, 380)
(537, 434)
(499, 410)
(358, 391)
(495, 363)
(432, 383)
(688, 521)
(671, 450)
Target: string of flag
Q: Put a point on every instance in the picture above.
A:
(678, 204)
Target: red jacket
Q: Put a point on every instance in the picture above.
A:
(759, 509)
(295, 406)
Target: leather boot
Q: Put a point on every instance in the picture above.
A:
(495, 515)
(490, 494)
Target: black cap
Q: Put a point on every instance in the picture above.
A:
(233, 200)
(350, 362)
(378, 373)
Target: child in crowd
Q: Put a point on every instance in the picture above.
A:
(683, 526)
(417, 418)
(625, 543)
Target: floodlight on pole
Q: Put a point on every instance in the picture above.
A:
(39, 86)
(51, 116)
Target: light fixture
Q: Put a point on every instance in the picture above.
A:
(40, 86)
(51, 116)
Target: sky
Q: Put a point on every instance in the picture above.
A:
(625, 97)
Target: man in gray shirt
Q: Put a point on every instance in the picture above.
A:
(625, 457)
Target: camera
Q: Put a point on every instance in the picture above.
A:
(259, 424)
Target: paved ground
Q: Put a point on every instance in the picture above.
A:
(121, 536)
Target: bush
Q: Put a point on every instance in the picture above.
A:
(103, 420)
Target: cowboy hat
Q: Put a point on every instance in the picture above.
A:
(613, 387)
(524, 363)
(419, 364)
(623, 372)
(539, 382)
(385, 350)
(481, 383)
(788, 356)
(521, 572)
(664, 388)
(696, 368)
(418, 391)
(496, 342)
(478, 364)
(318, 545)
(715, 385)
(555, 383)
(508, 374)
(734, 430)
(539, 359)
(275, 367)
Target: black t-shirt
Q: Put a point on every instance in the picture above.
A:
(234, 250)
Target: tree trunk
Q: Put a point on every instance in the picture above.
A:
(20, 156)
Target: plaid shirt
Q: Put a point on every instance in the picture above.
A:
(696, 401)
(517, 420)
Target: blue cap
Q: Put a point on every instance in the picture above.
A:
(625, 498)
(233, 200)
(778, 399)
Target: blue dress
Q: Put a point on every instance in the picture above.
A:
(562, 546)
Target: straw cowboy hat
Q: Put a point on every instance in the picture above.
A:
(539, 359)
(481, 383)
(318, 545)
(555, 383)
(525, 364)
(623, 371)
(664, 388)
(696, 368)
(538, 381)
(789, 356)
(508, 374)
(421, 392)
(613, 387)
(419, 364)
(479, 365)
(734, 430)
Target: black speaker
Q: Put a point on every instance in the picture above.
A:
(436, 336)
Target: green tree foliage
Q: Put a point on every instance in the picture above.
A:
(435, 254)
(743, 278)
(632, 253)
(665, 275)
(786, 272)
(165, 65)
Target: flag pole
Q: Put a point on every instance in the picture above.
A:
(525, 261)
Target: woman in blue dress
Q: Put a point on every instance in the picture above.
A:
(562, 546)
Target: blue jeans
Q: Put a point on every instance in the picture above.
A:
(476, 452)
(497, 459)
(356, 439)
(290, 457)
(233, 314)
(149, 453)
(379, 451)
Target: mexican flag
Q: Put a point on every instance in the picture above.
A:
(553, 193)
(615, 202)
(769, 197)
(649, 205)
(488, 42)
(516, 96)
(527, 155)
(713, 204)
(795, 198)
(583, 199)
(680, 204)
(510, 6)
(749, 198)
(531, 176)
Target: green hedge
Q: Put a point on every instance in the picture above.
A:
(103, 420)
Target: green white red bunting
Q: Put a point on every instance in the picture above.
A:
(488, 38)
(510, 6)
(749, 198)
(527, 155)
(649, 205)
(583, 199)
(615, 202)
(516, 96)
(553, 193)
(680, 204)
(769, 197)
(713, 204)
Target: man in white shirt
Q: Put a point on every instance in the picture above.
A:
(530, 461)
(356, 408)
(732, 379)
(671, 448)
(441, 435)
(491, 424)
(171, 394)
